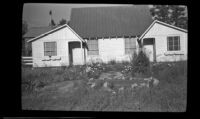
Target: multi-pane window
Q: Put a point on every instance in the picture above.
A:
(173, 43)
(93, 47)
(50, 49)
(130, 45)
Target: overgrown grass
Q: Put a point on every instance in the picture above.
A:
(169, 95)
(33, 79)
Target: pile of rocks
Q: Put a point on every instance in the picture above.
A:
(105, 77)
(112, 76)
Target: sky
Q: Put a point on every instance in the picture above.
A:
(37, 14)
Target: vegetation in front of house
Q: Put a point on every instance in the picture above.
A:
(106, 87)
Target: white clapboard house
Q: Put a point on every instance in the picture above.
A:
(102, 34)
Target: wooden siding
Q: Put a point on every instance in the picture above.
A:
(61, 37)
(160, 33)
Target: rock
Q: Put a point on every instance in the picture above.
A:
(106, 87)
(148, 79)
(91, 79)
(134, 85)
(121, 89)
(113, 92)
(104, 76)
(118, 75)
(143, 84)
(123, 78)
(131, 78)
(155, 81)
(93, 85)
(105, 84)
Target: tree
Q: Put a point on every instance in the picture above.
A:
(172, 14)
(62, 22)
(24, 30)
(52, 23)
(24, 27)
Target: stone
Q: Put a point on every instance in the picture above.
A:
(131, 78)
(105, 84)
(93, 85)
(155, 81)
(148, 79)
(134, 85)
(91, 79)
(113, 92)
(104, 76)
(121, 89)
(118, 75)
(143, 84)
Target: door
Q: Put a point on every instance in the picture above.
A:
(149, 48)
(77, 56)
(75, 53)
(149, 51)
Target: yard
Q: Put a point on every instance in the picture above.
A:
(105, 87)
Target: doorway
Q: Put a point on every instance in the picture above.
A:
(73, 45)
(150, 48)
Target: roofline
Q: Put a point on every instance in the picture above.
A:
(53, 30)
(163, 23)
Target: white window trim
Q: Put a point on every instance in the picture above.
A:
(179, 42)
(55, 48)
(93, 50)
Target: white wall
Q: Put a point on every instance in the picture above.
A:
(160, 33)
(62, 37)
(110, 49)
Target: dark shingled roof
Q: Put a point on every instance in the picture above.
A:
(110, 21)
(36, 31)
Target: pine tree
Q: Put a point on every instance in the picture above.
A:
(171, 14)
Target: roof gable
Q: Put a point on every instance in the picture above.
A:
(54, 30)
(110, 21)
(161, 23)
(36, 31)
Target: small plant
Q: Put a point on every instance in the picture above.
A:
(94, 70)
(112, 62)
(140, 64)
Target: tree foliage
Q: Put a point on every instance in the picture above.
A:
(52, 23)
(24, 27)
(140, 63)
(172, 14)
(62, 22)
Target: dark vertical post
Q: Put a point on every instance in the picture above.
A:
(154, 49)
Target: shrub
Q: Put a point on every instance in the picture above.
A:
(170, 71)
(112, 62)
(94, 70)
(140, 64)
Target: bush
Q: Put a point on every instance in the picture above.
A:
(94, 70)
(170, 71)
(112, 62)
(140, 64)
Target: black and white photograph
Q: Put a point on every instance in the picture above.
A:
(104, 57)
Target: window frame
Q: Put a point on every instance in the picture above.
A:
(129, 48)
(93, 50)
(173, 46)
(52, 51)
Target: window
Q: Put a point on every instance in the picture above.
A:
(173, 43)
(50, 49)
(93, 47)
(130, 45)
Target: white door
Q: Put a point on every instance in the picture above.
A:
(77, 56)
(149, 51)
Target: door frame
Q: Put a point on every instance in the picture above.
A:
(154, 46)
